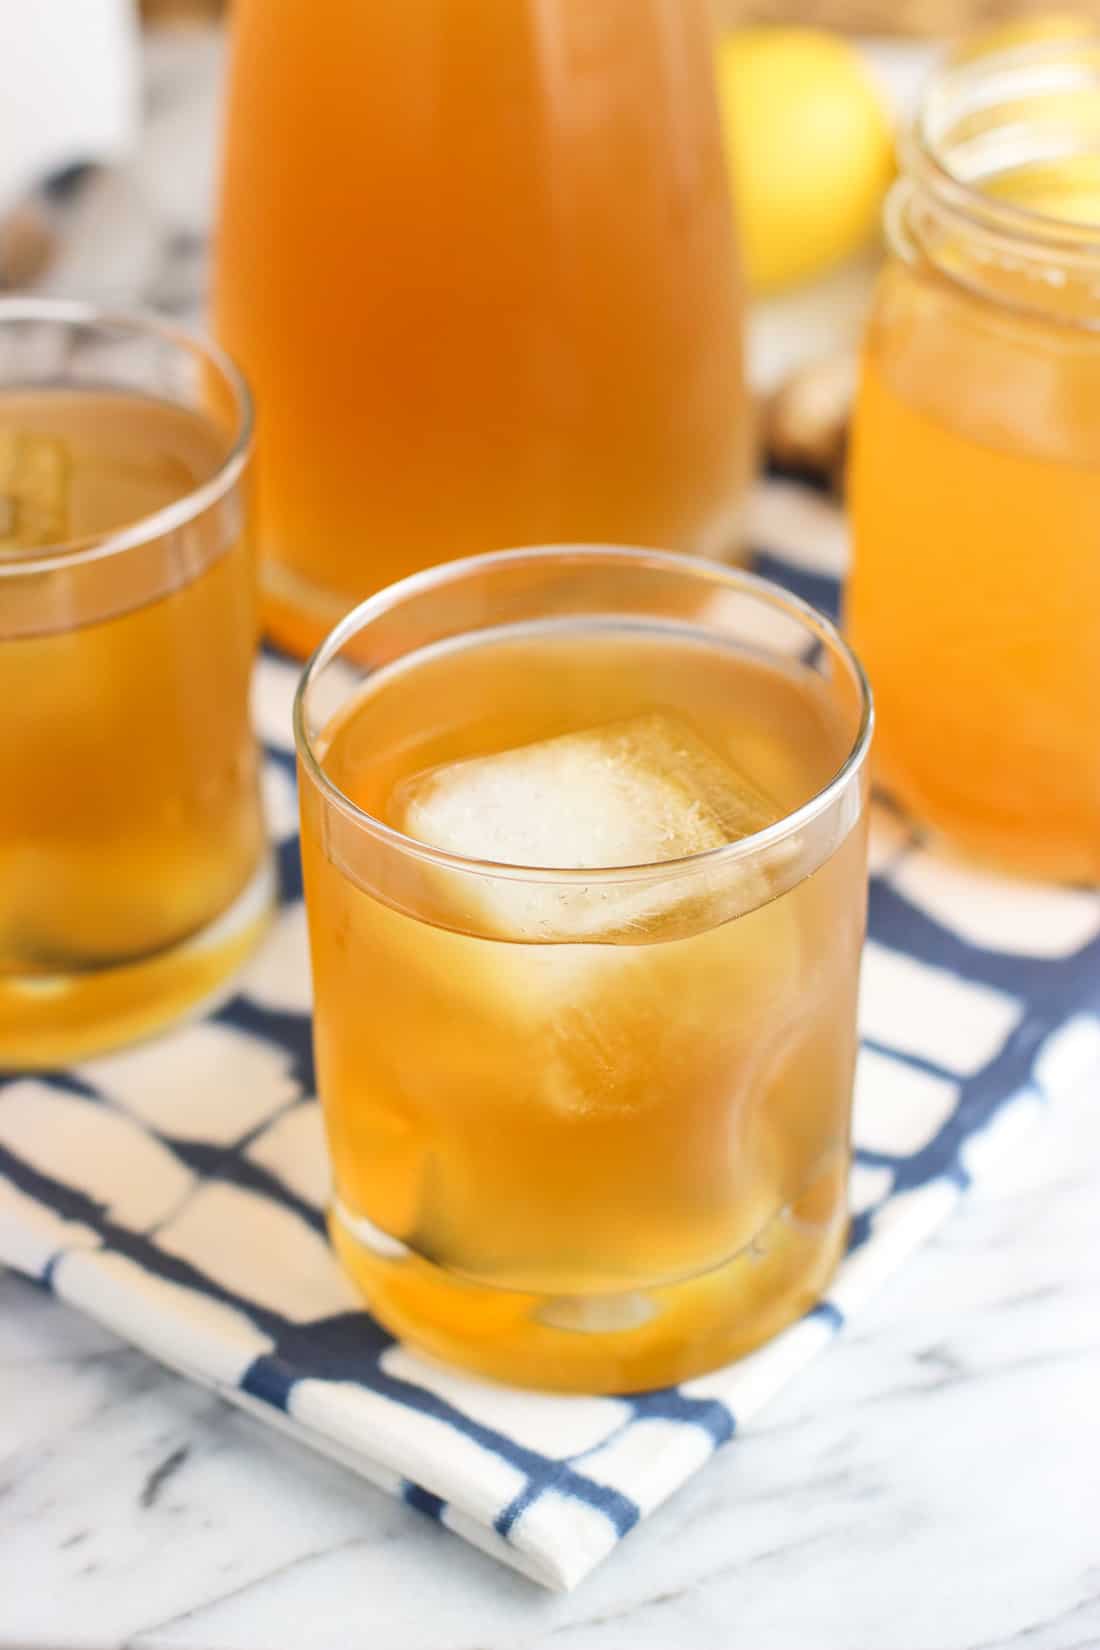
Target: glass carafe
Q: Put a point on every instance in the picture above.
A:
(478, 262)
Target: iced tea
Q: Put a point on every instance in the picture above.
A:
(975, 482)
(477, 263)
(589, 1126)
(129, 814)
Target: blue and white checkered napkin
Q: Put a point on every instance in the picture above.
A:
(175, 1191)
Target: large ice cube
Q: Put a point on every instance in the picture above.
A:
(634, 792)
(568, 1043)
(637, 792)
(576, 1091)
(34, 491)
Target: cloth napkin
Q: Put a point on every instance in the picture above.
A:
(174, 1191)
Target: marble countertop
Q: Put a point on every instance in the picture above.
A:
(931, 1483)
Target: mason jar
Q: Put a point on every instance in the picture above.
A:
(975, 481)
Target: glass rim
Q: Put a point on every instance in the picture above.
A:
(68, 312)
(953, 91)
(750, 584)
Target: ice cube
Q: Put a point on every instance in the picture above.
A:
(575, 1091)
(34, 491)
(634, 792)
(542, 1058)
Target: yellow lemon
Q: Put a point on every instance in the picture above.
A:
(811, 150)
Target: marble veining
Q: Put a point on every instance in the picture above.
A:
(931, 1483)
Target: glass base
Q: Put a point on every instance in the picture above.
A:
(1041, 850)
(1035, 858)
(298, 614)
(625, 1342)
(52, 1020)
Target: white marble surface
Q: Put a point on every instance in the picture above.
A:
(931, 1483)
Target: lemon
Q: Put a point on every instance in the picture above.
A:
(811, 150)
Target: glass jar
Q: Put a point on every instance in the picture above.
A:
(975, 480)
(478, 264)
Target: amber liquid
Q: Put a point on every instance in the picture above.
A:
(129, 811)
(477, 264)
(975, 592)
(590, 1166)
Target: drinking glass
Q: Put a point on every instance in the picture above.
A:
(583, 833)
(133, 869)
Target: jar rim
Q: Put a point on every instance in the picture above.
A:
(964, 87)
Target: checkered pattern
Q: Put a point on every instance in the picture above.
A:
(175, 1191)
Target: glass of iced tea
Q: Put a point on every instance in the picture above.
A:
(133, 869)
(975, 479)
(584, 844)
(477, 262)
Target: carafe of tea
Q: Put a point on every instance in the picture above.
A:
(478, 264)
